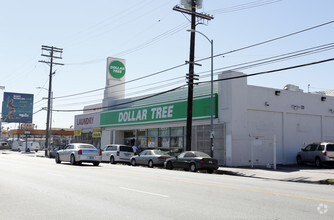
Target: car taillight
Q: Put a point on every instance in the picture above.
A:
(100, 152)
(325, 153)
(117, 153)
(80, 152)
(201, 161)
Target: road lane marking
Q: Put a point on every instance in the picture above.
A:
(139, 191)
(225, 186)
(204, 184)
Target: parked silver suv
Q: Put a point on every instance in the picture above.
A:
(318, 153)
(114, 153)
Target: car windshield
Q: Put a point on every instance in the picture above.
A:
(330, 147)
(126, 148)
(201, 154)
(159, 152)
(86, 147)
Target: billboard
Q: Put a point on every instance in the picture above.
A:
(17, 107)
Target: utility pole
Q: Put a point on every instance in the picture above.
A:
(191, 4)
(191, 78)
(52, 53)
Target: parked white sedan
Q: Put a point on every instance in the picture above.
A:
(76, 153)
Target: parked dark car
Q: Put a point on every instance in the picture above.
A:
(52, 153)
(150, 158)
(193, 161)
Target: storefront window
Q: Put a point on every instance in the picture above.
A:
(164, 132)
(152, 137)
(129, 137)
(171, 139)
(141, 133)
(129, 134)
(177, 131)
(152, 142)
(152, 132)
(142, 139)
(142, 143)
(176, 144)
(164, 142)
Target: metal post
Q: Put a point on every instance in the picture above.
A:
(275, 152)
(212, 133)
(211, 126)
(252, 163)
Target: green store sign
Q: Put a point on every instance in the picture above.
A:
(117, 69)
(160, 113)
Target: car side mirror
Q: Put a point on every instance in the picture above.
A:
(303, 149)
(176, 157)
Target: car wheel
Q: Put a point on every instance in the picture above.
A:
(28, 150)
(169, 165)
(192, 167)
(96, 163)
(150, 164)
(57, 159)
(299, 160)
(210, 171)
(133, 162)
(72, 161)
(318, 162)
(112, 160)
(19, 150)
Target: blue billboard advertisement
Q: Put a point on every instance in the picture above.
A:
(17, 107)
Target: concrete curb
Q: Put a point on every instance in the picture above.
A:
(286, 174)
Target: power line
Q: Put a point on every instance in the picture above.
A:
(268, 41)
(277, 58)
(241, 66)
(222, 54)
(124, 103)
(224, 79)
(177, 29)
(140, 78)
(272, 71)
(139, 47)
(245, 6)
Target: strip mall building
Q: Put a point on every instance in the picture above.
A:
(253, 125)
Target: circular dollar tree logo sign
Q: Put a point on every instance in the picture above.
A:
(117, 69)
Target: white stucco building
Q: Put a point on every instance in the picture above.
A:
(250, 122)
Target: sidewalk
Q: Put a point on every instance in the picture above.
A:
(293, 173)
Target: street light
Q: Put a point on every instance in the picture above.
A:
(212, 133)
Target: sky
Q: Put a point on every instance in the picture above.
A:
(153, 37)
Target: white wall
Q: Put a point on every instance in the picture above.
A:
(232, 103)
(253, 115)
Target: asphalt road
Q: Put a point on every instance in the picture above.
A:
(38, 188)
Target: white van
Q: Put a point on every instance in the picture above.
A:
(31, 146)
(114, 153)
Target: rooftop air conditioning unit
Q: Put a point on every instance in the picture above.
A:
(293, 88)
